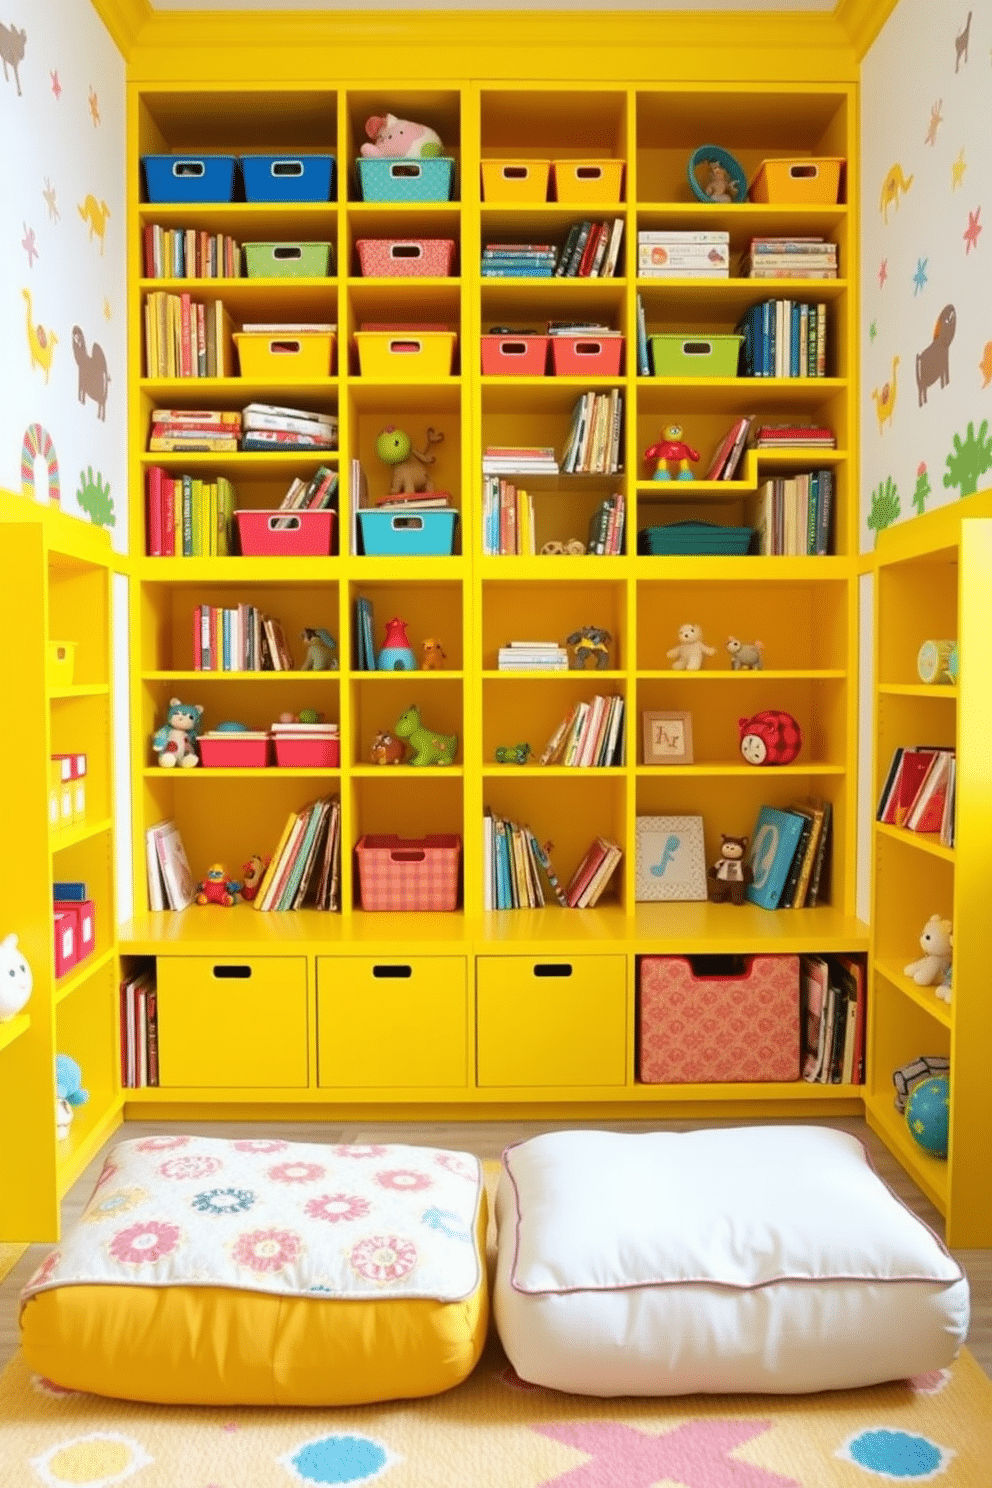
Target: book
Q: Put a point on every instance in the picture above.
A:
(813, 981)
(927, 808)
(770, 852)
(178, 883)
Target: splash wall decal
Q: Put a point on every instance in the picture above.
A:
(94, 498)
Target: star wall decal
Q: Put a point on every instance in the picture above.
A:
(49, 195)
(94, 103)
(873, 330)
(883, 273)
(971, 232)
(28, 244)
(56, 85)
(958, 168)
(936, 119)
(920, 277)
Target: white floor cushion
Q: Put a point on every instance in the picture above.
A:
(768, 1258)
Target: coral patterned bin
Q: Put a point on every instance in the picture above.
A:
(582, 356)
(700, 1029)
(387, 258)
(417, 873)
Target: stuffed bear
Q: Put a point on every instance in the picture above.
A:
(690, 650)
(175, 741)
(730, 875)
(936, 958)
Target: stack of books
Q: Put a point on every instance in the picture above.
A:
(185, 338)
(591, 251)
(585, 887)
(365, 656)
(266, 426)
(730, 451)
(793, 515)
(187, 253)
(787, 854)
(171, 884)
(188, 517)
(413, 501)
(306, 865)
(190, 430)
(834, 994)
(790, 258)
(519, 459)
(239, 639)
(319, 493)
(919, 793)
(593, 443)
(532, 656)
(606, 526)
(513, 863)
(139, 1031)
(783, 338)
(793, 435)
(590, 735)
(683, 255)
(507, 518)
(519, 261)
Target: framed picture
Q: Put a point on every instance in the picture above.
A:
(667, 738)
(671, 859)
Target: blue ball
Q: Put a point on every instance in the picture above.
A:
(927, 1112)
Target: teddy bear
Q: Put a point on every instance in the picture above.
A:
(399, 139)
(174, 742)
(730, 875)
(936, 958)
(690, 650)
(432, 655)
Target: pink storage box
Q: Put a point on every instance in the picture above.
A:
(387, 258)
(515, 356)
(580, 356)
(65, 942)
(416, 873)
(83, 911)
(314, 753)
(703, 1029)
(280, 534)
(233, 752)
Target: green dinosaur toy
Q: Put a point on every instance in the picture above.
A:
(431, 748)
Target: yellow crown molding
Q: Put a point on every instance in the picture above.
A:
(862, 20)
(124, 19)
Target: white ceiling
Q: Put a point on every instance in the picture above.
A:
(659, 5)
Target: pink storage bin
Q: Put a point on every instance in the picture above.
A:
(66, 945)
(581, 356)
(314, 753)
(280, 534)
(417, 873)
(515, 356)
(229, 752)
(83, 911)
(726, 1029)
(387, 258)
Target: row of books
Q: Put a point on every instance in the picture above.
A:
(783, 338)
(532, 656)
(834, 994)
(683, 255)
(919, 793)
(519, 459)
(189, 253)
(188, 517)
(185, 337)
(317, 493)
(606, 526)
(591, 251)
(589, 736)
(593, 443)
(139, 1031)
(365, 652)
(258, 426)
(171, 884)
(792, 435)
(789, 258)
(730, 451)
(519, 261)
(788, 853)
(238, 639)
(517, 866)
(507, 518)
(305, 868)
(793, 515)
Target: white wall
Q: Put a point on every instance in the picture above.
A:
(62, 142)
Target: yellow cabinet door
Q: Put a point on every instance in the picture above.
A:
(548, 1022)
(391, 1023)
(237, 1024)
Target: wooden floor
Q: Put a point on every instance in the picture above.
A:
(487, 1140)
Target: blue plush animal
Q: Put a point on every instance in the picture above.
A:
(69, 1092)
(175, 741)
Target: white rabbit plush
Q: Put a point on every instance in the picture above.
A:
(15, 979)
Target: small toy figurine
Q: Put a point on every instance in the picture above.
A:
(688, 654)
(16, 980)
(321, 646)
(730, 875)
(430, 748)
(216, 888)
(387, 750)
(175, 741)
(410, 467)
(400, 139)
(69, 1092)
(571, 548)
(396, 654)
(252, 874)
(592, 641)
(770, 738)
(720, 187)
(671, 449)
(745, 657)
(512, 754)
(432, 656)
(935, 943)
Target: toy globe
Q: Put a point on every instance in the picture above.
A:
(927, 1111)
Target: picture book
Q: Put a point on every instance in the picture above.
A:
(770, 853)
(814, 984)
(177, 878)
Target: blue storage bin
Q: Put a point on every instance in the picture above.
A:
(406, 180)
(189, 178)
(287, 178)
(393, 534)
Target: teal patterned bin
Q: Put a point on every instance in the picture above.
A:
(406, 180)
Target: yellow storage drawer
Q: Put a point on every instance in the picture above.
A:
(543, 1021)
(391, 1022)
(232, 1024)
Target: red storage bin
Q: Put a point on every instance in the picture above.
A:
(230, 751)
(417, 873)
(387, 258)
(83, 911)
(315, 752)
(281, 534)
(582, 356)
(515, 356)
(65, 942)
(725, 1028)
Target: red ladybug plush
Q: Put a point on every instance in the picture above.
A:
(770, 738)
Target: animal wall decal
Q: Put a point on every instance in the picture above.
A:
(94, 379)
(961, 43)
(932, 363)
(894, 186)
(95, 213)
(12, 44)
(41, 342)
(885, 400)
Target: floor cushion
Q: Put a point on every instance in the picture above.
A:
(266, 1272)
(767, 1258)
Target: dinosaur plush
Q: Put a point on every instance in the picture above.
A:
(430, 748)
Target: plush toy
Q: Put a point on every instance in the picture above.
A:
(399, 139)
(252, 874)
(429, 748)
(936, 959)
(744, 656)
(730, 875)
(16, 980)
(175, 741)
(688, 654)
(770, 738)
(671, 449)
(410, 467)
(590, 641)
(321, 647)
(945, 985)
(217, 888)
(387, 750)
(69, 1092)
(432, 655)
(570, 548)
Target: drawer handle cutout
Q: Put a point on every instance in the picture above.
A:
(240, 972)
(392, 971)
(286, 168)
(553, 969)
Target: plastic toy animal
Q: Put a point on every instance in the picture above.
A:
(410, 467)
(216, 888)
(175, 741)
(252, 874)
(512, 754)
(592, 641)
(430, 748)
(399, 139)
(69, 1092)
(671, 449)
(321, 646)
(720, 187)
(387, 750)
(432, 656)
(744, 656)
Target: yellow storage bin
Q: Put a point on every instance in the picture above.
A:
(813, 180)
(515, 180)
(61, 663)
(405, 356)
(588, 180)
(286, 357)
(545, 1021)
(393, 1023)
(232, 1024)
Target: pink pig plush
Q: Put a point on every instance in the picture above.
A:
(399, 139)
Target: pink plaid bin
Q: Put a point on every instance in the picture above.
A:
(409, 873)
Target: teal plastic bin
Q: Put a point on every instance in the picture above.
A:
(406, 180)
(695, 355)
(425, 534)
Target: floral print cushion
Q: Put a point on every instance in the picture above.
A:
(274, 1216)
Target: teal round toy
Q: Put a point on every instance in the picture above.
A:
(725, 181)
(927, 1111)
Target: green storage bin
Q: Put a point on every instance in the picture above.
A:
(287, 260)
(690, 355)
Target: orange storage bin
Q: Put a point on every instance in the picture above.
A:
(579, 356)
(588, 180)
(515, 356)
(286, 357)
(515, 180)
(405, 356)
(418, 873)
(813, 180)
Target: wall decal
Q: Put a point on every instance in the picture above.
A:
(56, 85)
(12, 44)
(971, 232)
(94, 103)
(933, 362)
(920, 277)
(894, 186)
(38, 441)
(885, 401)
(108, 312)
(94, 379)
(49, 195)
(961, 44)
(969, 460)
(883, 273)
(936, 119)
(94, 498)
(884, 507)
(923, 490)
(95, 213)
(873, 330)
(41, 343)
(958, 168)
(28, 244)
(985, 365)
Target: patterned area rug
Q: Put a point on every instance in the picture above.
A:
(494, 1432)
